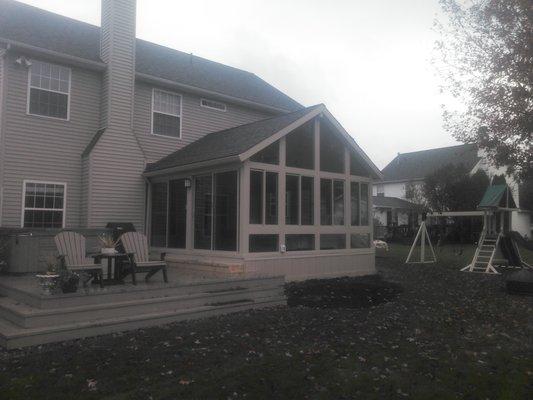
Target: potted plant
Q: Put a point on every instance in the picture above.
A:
(108, 244)
(68, 281)
(49, 280)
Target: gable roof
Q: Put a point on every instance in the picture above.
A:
(418, 164)
(241, 142)
(32, 26)
(497, 196)
(229, 142)
(394, 202)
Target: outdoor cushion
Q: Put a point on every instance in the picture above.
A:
(150, 263)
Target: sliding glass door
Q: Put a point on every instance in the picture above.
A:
(215, 211)
(169, 214)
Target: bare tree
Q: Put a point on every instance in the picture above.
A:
(486, 62)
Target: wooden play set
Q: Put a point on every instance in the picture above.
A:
(496, 247)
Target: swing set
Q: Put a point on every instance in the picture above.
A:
(496, 246)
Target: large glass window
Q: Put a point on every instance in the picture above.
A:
(49, 90)
(331, 150)
(300, 242)
(331, 202)
(364, 204)
(269, 155)
(225, 218)
(300, 147)
(263, 197)
(166, 113)
(159, 214)
(271, 198)
(177, 214)
(326, 205)
(359, 203)
(292, 199)
(203, 212)
(354, 201)
(263, 243)
(338, 202)
(357, 166)
(215, 211)
(256, 197)
(44, 205)
(332, 241)
(308, 195)
(299, 200)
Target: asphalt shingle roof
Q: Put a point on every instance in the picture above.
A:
(418, 164)
(393, 202)
(36, 27)
(229, 142)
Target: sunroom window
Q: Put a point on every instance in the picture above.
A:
(331, 202)
(44, 205)
(263, 197)
(49, 90)
(359, 203)
(166, 113)
(299, 199)
(215, 211)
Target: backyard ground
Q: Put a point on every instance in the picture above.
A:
(411, 332)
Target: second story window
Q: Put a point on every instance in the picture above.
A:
(49, 90)
(166, 114)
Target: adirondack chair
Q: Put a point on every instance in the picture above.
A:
(71, 248)
(136, 246)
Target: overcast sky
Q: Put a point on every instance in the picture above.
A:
(368, 61)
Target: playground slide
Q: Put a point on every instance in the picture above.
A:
(517, 237)
(510, 251)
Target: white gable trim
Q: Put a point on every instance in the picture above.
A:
(321, 110)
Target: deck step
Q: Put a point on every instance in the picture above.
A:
(122, 293)
(26, 316)
(13, 336)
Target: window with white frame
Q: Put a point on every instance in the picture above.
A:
(44, 204)
(166, 113)
(49, 90)
(215, 105)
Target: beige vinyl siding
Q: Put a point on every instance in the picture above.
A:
(117, 161)
(2, 146)
(196, 121)
(40, 148)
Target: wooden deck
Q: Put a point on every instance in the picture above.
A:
(29, 317)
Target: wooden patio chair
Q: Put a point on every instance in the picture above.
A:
(71, 248)
(136, 246)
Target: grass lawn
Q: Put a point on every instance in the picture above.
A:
(413, 331)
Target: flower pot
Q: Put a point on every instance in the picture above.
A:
(70, 285)
(108, 250)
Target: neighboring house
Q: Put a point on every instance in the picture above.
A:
(209, 160)
(403, 178)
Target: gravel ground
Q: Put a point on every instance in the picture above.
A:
(412, 331)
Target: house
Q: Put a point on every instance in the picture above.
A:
(404, 176)
(217, 166)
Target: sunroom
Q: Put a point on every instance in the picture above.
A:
(289, 195)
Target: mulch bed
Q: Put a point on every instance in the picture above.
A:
(414, 331)
(342, 292)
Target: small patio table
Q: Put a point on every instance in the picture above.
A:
(112, 258)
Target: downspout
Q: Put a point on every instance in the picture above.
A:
(3, 80)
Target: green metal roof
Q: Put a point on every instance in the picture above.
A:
(496, 196)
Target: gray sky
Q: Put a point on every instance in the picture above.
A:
(367, 60)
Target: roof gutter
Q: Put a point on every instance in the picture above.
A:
(193, 166)
(216, 95)
(78, 61)
(100, 66)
